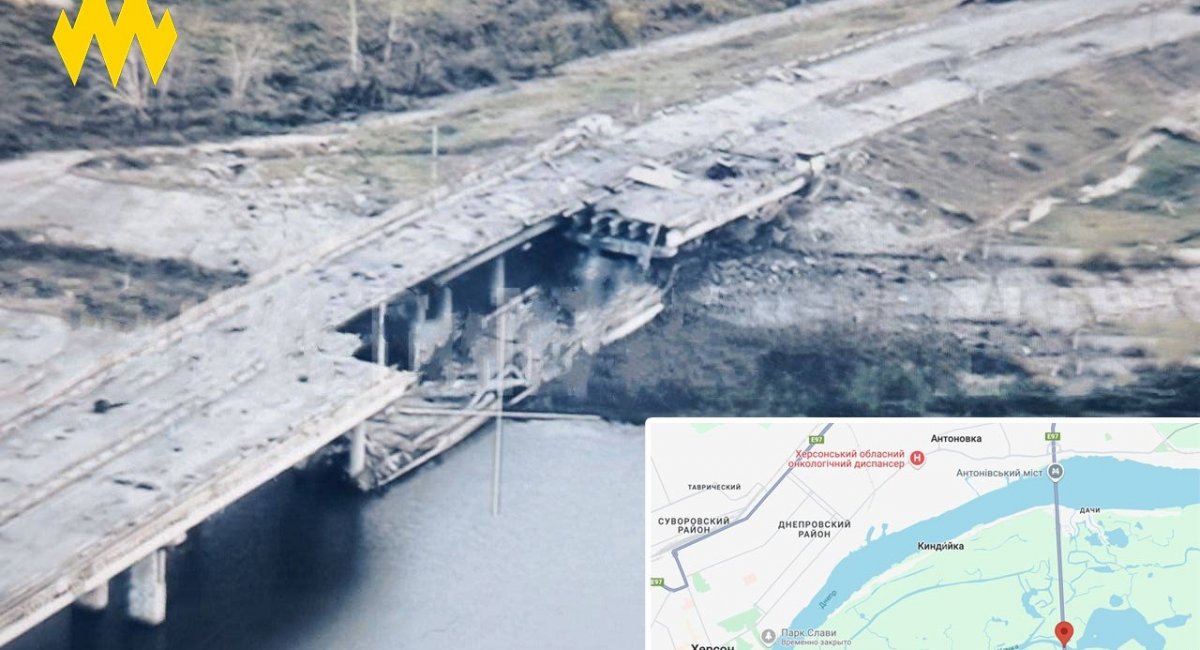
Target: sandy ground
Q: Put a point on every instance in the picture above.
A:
(962, 260)
(935, 187)
(251, 203)
(261, 205)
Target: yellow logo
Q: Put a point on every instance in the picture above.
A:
(115, 38)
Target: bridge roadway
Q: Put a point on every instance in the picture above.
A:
(241, 388)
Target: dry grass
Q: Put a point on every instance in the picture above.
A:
(1091, 227)
(1161, 209)
(1040, 135)
(263, 66)
(61, 4)
(1174, 342)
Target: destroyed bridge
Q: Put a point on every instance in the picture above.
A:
(390, 345)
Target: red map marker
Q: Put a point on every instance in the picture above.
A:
(1064, 631)
(917, 458)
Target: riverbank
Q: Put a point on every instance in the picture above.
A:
(688, 364)
(906, 282)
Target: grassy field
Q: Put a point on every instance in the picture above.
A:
(1161, 208)
(263, 66)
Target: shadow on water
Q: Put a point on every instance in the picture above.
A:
(253, 574)
(304, 564)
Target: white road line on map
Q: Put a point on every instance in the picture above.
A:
(776, 484)
(1062, 605)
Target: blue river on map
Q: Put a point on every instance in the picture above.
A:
(1088, 481)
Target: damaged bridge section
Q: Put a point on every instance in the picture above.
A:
(601, 214)
(493, 327)
(659, 208)
(395, 341)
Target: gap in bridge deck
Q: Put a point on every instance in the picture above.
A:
(495, 328)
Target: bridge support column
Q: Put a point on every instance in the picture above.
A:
(148, 589)
(444, 317)
(357, 461)
(379, 334)
(647, 254)
(95, 600)
(416, 334)
(497, 281)
(445, 313)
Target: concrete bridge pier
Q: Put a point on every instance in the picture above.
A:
(430, 327)
(379, 333)
(445, 310)
(496, 280)
(148, 589)
(95, 600)
(356, 460)
(416, 325)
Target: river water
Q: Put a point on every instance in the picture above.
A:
(301, 565)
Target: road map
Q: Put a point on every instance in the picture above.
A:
(911, 534)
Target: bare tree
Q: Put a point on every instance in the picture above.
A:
(135, 87)
(393, 31)
(249, 56)
(401, 42)
(356, 62)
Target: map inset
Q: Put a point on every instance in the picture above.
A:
(923, 534)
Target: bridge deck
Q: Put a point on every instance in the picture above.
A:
(260, 380)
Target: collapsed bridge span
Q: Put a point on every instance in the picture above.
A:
(476, 295)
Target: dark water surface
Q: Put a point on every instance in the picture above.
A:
(303, 564)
